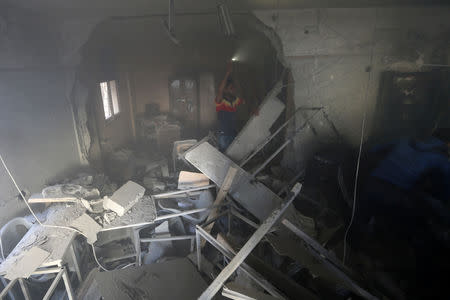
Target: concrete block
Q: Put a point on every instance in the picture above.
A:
(124, 198)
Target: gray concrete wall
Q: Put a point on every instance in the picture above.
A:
(37, 137)
(329, 52)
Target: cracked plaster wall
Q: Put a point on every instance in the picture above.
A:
(329, 51)
(37, 89)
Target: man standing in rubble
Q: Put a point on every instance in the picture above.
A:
(227, 102)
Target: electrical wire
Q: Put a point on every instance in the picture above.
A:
(39, 221)
(96, 260)
(28, 205)
(363, 124)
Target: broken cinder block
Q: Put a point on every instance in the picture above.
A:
(124, 198)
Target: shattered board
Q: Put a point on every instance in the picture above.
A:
(254, 196)
(257, 128)
(87, 226)
(142, 213)
(56, 241)
(26, 263)
(169, 280)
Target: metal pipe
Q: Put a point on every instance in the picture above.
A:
(282, 147)
(226, 292)
(243, 218)
(164, 195)
(186, 212)
(7, 288)
(167, 238)
(267, 140)
(53, 286)
(197, 242)
(259, 234)
(240, 216)
(331, 263)
(239, 258)
(67, 284)
(256, 151)
(46, 271)
(244, 267)
(25, 291)
(75, 263)
(271, 157)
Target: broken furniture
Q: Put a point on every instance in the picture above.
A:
(254, 196)
(11, 234)
(260, 201)
(187, 192)
(142, 214)
(328, 260)
(179, 147)
(257, 128)
(239, 258)
(188, 180)
(55, 241)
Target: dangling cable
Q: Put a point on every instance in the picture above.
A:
(355, 190)
(28, 205)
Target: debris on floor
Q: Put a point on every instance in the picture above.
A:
(260, 232)
(124, 198)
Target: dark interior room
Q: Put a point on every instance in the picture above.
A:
(176, 149)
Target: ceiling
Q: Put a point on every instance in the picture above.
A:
(100, 8)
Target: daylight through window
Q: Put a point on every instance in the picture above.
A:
(110, 98)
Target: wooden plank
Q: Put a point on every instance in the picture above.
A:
(38, 198)
(254, 196)
(220, 197)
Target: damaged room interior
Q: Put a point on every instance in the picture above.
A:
(175, 149)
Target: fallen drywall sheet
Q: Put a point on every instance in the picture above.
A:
(56, 241)
(188, 180)
(257, 128)
(26, 263)
(124, 198)
(87, 226)
(254, 196)
(174, 279)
